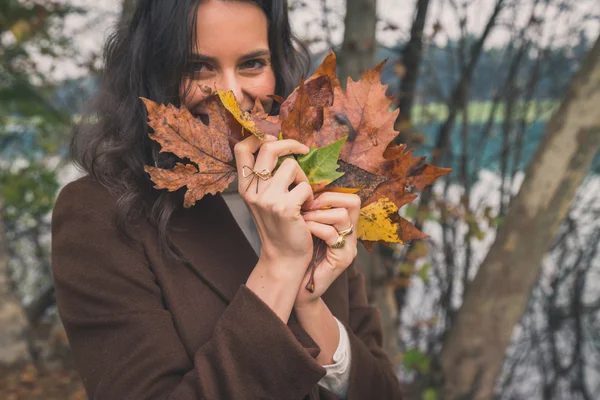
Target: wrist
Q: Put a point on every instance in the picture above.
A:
(274, 289)
(310, 307)
(286, 271)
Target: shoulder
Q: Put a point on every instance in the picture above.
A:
(85, 203)
(85, 193)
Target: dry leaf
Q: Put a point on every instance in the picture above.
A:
(254, 124)
(380, 221)
(178, 132)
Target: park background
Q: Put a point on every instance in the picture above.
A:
(496, 301)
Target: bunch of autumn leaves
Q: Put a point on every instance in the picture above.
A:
(350, 134)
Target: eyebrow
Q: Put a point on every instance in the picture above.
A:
(247, 56)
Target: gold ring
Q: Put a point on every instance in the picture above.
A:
(347, 232)
(339, 243)
(265, 174)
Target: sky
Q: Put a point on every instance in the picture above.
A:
(91, 30)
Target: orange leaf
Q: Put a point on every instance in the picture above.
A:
(404, 171)
(362, 113)
(178, 132)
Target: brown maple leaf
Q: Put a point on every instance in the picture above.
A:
(206, 146)
(405, 172)
(362, 113)
(318, 87)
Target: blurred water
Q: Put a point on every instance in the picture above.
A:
(485, 153)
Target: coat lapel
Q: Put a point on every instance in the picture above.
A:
(208, 236)
(225, 258)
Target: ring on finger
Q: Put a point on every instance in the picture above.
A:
(347, 232)
(339, 243)
(264, 175)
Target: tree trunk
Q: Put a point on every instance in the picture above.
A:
(358, 56)
(411, 58)
(474, 350)
(14, 350)
(358, 49)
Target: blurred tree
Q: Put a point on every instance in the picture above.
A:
(14, 351)
(411, 63)
(358, 48)
(498, 295)
(32, 128)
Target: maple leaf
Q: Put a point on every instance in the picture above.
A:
(178, 132)
(404, 172)
(362, 113)
(320, 165)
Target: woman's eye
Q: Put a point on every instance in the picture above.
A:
(200, 67)
(200, 70)
(253, 64)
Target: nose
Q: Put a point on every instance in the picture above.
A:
(230, 81)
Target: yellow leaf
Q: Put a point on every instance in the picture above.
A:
(244, 118)
(21, 30)
(378, 222)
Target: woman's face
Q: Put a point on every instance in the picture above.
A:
(232, 53)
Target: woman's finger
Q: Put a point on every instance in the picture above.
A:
(288, 173)
(338, 217)
(325, 232)
(270, 152)
(328, 200)
(245, 149)
(300, 195)
(245, 159)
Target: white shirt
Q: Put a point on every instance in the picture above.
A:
(338, 374)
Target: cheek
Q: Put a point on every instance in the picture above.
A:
(262, 86)
(190, 93)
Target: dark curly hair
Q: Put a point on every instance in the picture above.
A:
(148, 57)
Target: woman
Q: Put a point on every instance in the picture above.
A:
(162, 302)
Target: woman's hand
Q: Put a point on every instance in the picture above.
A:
(286, 238)
(329, 214)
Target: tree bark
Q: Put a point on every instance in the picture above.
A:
(411, 58)
(474, 349)
(358, 49)
(14, 350)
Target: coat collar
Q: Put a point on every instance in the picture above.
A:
(217, 250)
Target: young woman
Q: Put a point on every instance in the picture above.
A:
(163, 302)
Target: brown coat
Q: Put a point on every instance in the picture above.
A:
(142, 327)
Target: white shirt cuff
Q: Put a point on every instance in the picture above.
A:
(337, 376)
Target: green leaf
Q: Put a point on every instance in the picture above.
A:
(424, 272)
(430, 394)
(320, 164)
(415, 360)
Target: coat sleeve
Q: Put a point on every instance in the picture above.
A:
(372, 373)
(123, 338)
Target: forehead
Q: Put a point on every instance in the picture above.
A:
(230, 28)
